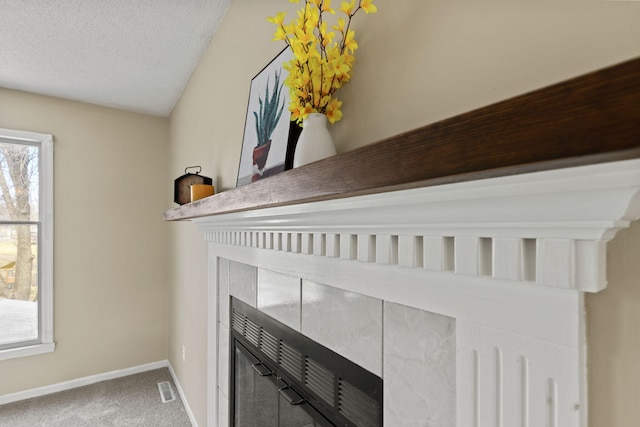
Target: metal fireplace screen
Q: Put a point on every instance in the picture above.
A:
(334, 390)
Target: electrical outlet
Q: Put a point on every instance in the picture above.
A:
(184, 353)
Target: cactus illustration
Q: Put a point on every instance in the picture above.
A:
(270, 111)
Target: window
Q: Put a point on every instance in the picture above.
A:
(26, 243)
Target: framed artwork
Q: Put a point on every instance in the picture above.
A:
(269, 135)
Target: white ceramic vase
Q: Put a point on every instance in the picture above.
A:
(315, 141)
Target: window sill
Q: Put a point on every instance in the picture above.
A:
(30, 350)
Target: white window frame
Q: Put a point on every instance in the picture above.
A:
(44, 343)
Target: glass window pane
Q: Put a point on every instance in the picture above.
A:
(18, 283)
(19, 177)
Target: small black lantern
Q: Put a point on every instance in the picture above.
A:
(182, 185)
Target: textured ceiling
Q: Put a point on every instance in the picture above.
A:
(135, 55)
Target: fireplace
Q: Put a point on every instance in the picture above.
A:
(467, 298)
(279, 377)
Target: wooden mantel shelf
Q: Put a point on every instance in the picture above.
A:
(589, 119)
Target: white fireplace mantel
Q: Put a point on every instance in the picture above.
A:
(508, 258)
(549, 228)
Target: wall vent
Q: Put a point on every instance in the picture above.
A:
(166, 392)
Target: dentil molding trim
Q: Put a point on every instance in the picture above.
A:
(549, 228)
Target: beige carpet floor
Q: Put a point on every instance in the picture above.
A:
(129, 401)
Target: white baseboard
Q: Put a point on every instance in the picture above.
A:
(187, 408)
(79, 382)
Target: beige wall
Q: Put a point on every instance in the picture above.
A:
(110, 264)
(206, 129)
(418, 62)
(614, 339)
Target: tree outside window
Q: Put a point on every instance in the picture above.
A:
(18, 211)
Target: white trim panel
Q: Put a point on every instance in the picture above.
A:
(512, 380)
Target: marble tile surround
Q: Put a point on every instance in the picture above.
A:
(414, 351)
(348, 323)
(279, 297)
(419, 368)
(242, 282)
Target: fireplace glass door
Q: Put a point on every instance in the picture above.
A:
(279, 377)
(264, 400)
